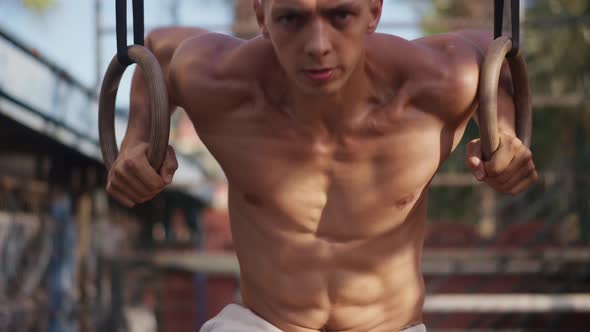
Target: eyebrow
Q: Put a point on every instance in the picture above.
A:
(342, 5)
(351, 5)
(288, 10)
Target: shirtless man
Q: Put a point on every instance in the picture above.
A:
(329, 135)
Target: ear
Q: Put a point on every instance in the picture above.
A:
(259, 10)
(376, 7)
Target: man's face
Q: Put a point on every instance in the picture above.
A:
(318, 42)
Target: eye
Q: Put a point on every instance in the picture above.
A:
(341, 15)
(290, 19)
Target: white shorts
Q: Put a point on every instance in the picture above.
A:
(235, 318)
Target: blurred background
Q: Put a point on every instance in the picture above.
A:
(73, 260)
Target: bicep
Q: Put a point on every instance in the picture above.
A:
(463, 54)
(481, 41)
(451, 91)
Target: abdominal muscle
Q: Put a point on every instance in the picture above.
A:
(299, 279)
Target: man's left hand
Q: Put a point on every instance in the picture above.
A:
(511, 170)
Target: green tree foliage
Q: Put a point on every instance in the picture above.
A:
(39, 6)
(559, 45)
(477, 9)
(556, 42)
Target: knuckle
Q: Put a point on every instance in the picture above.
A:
(130, 164)
(504, 187)
(528, 155)
(124, 201)
(495, 185)
(503, 179)
(513, 191)
(530, 167)
(154, 191)
(117, 173)
(495, 170)
(110, 187)
(158, 184)
(156, 187)
(515, 142)
(135, 199)
(468, 163)
(150, 189)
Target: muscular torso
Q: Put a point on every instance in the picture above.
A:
(328, 225)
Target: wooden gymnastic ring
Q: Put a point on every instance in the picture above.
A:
(160, 117)
(488, 96)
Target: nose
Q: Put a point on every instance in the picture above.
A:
(318, 44)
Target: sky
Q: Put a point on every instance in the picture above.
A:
(66, 33)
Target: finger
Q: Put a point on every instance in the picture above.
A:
(473, 148)
(524, 185)
(121, 186)
(523, 159)
(131, 179)
(170, 166)
(143, 171)
(518, 176)
(119, 196)
(127, 182)
(502, 157)
(473, 159)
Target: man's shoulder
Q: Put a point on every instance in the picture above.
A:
(449, 80)
(393, 53)
(435, 55)
(457, 48)
(206, 49)
(213, 70)
(163, 41)
(412, 64)
(219, 56)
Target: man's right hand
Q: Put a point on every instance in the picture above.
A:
(132, 180)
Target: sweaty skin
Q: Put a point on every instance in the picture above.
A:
(328, 179)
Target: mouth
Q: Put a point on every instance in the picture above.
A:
(319, 74)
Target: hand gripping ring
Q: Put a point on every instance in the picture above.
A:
(488, 96)
(160, 118)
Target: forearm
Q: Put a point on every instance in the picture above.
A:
(138, 125)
